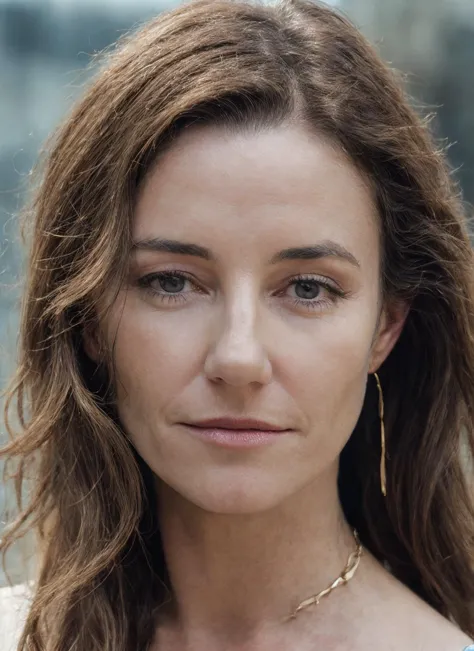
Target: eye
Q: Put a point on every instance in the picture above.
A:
(307, 289)
(309, 292)
(314, 292)
(168, 285)
(172, 283)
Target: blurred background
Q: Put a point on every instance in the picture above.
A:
(45, 46)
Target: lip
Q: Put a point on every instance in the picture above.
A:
(236, 433)
(238, 424)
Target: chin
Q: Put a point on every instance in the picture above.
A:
(235, 495)
(232, 505)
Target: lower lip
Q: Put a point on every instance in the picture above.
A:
(232, 438)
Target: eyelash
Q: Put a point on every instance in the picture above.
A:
(336, 293)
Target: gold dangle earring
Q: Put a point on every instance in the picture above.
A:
(383, 474)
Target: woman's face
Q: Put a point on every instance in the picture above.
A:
(267, 309)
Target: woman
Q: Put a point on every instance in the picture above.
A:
(247, 357)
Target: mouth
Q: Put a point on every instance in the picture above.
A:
(238, 424)
(235, 432)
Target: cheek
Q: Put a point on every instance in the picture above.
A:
(155, 354)
(327, 374)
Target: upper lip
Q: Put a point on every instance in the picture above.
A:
(238, 423)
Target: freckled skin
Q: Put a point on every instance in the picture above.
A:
(240, 346)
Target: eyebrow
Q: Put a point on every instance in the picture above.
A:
(324, 249)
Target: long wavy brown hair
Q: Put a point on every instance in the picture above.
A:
(102, 573)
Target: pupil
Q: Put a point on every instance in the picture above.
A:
(309, 290)
(172, 284)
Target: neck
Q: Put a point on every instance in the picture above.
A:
(242, 573)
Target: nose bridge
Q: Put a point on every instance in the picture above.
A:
(237, 355)
(240, 329)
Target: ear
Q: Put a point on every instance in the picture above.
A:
(391, 322)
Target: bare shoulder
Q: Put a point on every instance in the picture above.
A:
(14, 603)
(408, 622)
(432, 631)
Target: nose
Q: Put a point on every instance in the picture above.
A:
(237, 356)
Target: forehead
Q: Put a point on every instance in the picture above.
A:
(257, 188)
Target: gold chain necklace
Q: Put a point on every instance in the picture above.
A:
(346, 575)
